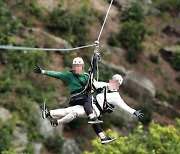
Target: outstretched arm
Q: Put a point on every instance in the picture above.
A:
(59, 75)
(118, 101)
(121, 104)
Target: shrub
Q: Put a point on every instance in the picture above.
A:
(158, 139)
(5, 133)
(154, 58)
(134, 13)
(54, 144)
(113, 40)
(72, 26)
(29, 6)
(169, 6)
(147, 108)
(131, 36)
(176, 60)
(8, 25)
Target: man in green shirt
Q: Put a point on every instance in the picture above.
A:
(76, 80)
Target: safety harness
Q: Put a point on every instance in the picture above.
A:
(107, 107)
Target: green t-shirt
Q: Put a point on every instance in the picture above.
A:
(70, 79)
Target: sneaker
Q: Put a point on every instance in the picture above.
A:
(94, 121)
(45, 111)
(54, 123)
(107, 140)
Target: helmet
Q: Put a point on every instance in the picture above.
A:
(118, 77)
(78, 60)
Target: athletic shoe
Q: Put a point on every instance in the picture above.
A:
(107, 140)
(94, 121)
(45, 111)
(54, 123)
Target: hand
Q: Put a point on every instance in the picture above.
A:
(138, 114)
(38, 69)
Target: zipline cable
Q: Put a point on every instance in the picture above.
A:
(96, 44)
(105, 20)
(43, 49)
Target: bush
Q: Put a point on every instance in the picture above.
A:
(159, 139)
(154, 58)
(176, 60)
(171, 6)
(72, 26)
(131, 36)
(8, 25)
(134, 13)
(146, 106)
(113, 40)
(29, 6)
(54, 144)
(5, 133)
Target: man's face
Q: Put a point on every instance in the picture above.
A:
(77, 68)
(114, 84)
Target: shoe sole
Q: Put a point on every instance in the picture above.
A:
(108, 141)
(43, 111)
(93, 122)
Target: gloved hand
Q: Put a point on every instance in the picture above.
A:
(138, 114)
(38, 69)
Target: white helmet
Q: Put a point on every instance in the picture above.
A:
(118, 77)
(78, 60)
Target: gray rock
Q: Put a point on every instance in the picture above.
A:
(165, 108)
(172, 30)
(46, 39)
(70, 147)
(153, 11)
(168, 52)
(138, 86)
(37, 148)
(5, 115)
(118, 69)
(19, 140)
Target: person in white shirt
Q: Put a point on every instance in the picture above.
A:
(108, 96)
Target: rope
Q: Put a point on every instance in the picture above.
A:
(43, 49)
(54, 49)
(105, 20)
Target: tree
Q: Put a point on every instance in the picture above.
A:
(158, 140)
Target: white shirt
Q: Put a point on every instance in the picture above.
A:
(113, 98)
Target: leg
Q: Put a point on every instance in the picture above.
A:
(104, 139)
(76, 111)
(58, 113)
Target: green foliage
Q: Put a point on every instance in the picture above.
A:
(131, 37)
(5, 133)
(29, 148)
(9, 151)
(168, 6)
(106, 74)
(8, 24)
(161, 140)
(176, 60)
(24, 61)
(54, 144)
(72, 26)
(113, 119)
(75, 124)
(134, 13)
(147, 108)
(29, 6)
(154, 58)
(113, 40)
